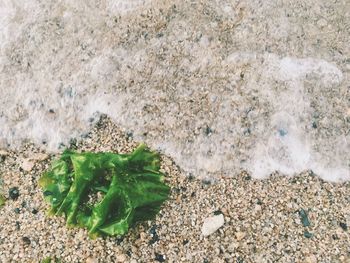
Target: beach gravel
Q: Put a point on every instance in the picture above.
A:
(263, 221)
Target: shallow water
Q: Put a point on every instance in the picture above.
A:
(219, 85)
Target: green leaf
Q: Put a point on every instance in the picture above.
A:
(131, 187)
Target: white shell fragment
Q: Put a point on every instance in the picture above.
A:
(211, 224)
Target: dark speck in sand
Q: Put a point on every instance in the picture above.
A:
(130, 135)
(14, 193)
(153, 233)
(248, 177)
(344, 226)
(217, 212)
(247, 131)
(159, 258)
(308, 234)
(153, 229)
(18, 225)
(190, 177)
(282, 132)
(119, 240)
(206, 182)
(208, 131)
(73, 143)
(34, 211)
(335, 237)
(17, 211)
(26, 240)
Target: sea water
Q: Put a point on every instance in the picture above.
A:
(183, 77)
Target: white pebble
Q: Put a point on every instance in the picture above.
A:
(211, 224)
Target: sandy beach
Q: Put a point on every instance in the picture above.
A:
(262, 220)
(247, 103)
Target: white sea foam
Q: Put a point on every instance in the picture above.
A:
(213, 113)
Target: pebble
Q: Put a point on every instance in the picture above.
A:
(27, 164)
(240, 235)
(211, 224)
(4, 153)
(39, 156)
(14, 193)
(344, 226)
(91, 260)
(311, 259)
(121, 258)
(159, 257)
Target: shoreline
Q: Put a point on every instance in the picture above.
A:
(261, 217)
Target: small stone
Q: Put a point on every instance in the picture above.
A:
(159, 258)
(91, 260)
(211, 224)
(121, 258)
(3, 153)
(18, 225)
(344, 226)
(240, 235)
(27, 165)
(34, 211)
(14, 193)
(39, 156)
(311, 259)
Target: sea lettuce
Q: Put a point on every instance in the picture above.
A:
(128, 188)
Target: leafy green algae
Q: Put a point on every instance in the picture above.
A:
(130, 187)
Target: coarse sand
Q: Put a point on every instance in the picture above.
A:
(263, 221)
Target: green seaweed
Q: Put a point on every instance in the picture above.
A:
(50, 260)
(130, 187)
(304, 217)
(307, 234)
(2, 200)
